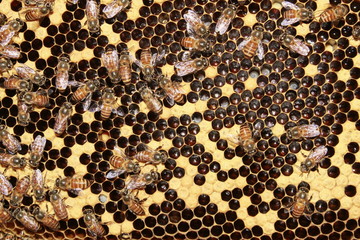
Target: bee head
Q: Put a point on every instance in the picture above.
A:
(39, 79)
(60, 183)
(5, 64)
(45, 9)
(124, 2)
(163, 81)
(341, 9)
(23, 118)
(34, 160)
(25, 85)
(16, 24)
(54, 195)
(125, 197)
(93, 84)
(18, 213)
(38, 214)
(39, 195)
(114, 77)
(19, 162)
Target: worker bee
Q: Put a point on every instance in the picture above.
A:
(85, 92)
(356, 32)
(61, 119)
(110, 60)
(151, 156)
(148, 62)
(37, 12)
(246, 139)
(301, 203)
(37, 183)
(303, 131)
(107, 105)
(5, 65)
(10, 51)
(92, 14)
(9, 30)
(39, 99)
(23, 116)
(5, 186)
(194, 26)
(36, 151)
(62, 74)
(94, 228)
(295, 44)
(15, 82)
(334, 13)
(151, 100)
(74, 184)
(314, 158)
(13, 161)
(253, 44)
(125, 67)
(140, 181)
(46, 219)
(225, 19)
(191, 65)
(5, 215)
(27, 72)
(294, 13)
(191, 43)
(58, 205)
(116, 6)
(9, 141)
(21, 188)
(26, 220)
(121, 164)
(34, 3)
(133, 203)
(174, 92)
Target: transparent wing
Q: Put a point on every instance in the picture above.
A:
(118, 111)
(289, 5)
(222, 24)
(112, 9)
(76, 83)
(243, 43)
(260, 51)
(114, 173)
(318, 153)
(289, 21)
(184, 68)
(136, 61)
(170, 99)
(92, 10)
(192, 20)
(76, 191)
(37, 178)
(87, 101)
(11, 51)
(5, 35)
(95, 107)
(38, 145)
(14, 139)
(300, 47)
(110, 60)
(311, 130)
(62, 79)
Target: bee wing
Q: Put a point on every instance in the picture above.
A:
(11, 51)
(5, 35)
(289, 5)
(184, 68)
(260, 51)
(87, 101)
(289, 21)
(300, 47)
(311, 130)
(222, 24)
(157, 57)
(118, 111)
(14, 139)
(317, 154)
(95, 107)
(114, 173)
(112, 9)
(110, 60)
(244, 42)
(37, 178)
(76, 83)
(92, 10)
(192, 20)
(38, 145)
(24, 71)
(5, 185)
(62, 79)
(76, 191)
(136, 61)
(178, 88)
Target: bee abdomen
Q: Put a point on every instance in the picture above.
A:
(298, 210)
(5, 216)
(116, 161)
(105, 112)
(137, 209)
(290, 14)
(80, 182)
(125, 73)
(250, 49)
(327, 16)
(51, 222)
(245, 132)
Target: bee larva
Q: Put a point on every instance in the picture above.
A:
(94, 228)
(21, 188)
(356, 32)
(26, 220)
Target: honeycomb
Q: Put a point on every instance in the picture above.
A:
(209, 187)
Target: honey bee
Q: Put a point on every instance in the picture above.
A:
(92, 14)
(225, 19)
(194, 26)
(36, 151)
(189, 66)
(148, 62)
(62, 74)
(133, 203)
(125, 67)
(295, 44)
(303, 131)
(151, 156)
(5, 186)
(27, 72)
(21, 188)
(121, 164)
(37, 12)
(195, 44)
(356, 32)
(246, 139)
(39, 99)
(74, 184)
(58, 205)
(61, 120)
(295, 13)
(5, 215)
(94, 228)
(9, 141)
(140, 181)
(35, 3)
(174, 92)
(301, 203)
(9, 30)
(26, 220)
(10, 51)
(151, 100)
(5, 65)
(15, 82)
(314, 158)
(333, 13)
(14, 161)
(116, 6)
(252, 45)
(85, 92)
(23, 116)
(110, 60)
(46, 219)
(107, 105)
(37, 183)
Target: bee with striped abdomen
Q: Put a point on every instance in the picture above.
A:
(94, 227)
(122, 164)
(74, 184)
(198, 44)
(225, 19)
(140, 181)
(9, 141)
(15, 82)
(13, 161)
(26, 220)
(85, 91)
(9, 30)
(39, 99)
(37, 184)
(253, 44)
(10, 51)
(314, 158)
(301, 203)
(148, 62)
(151, 100)
(5, 186)
(294, 44)
(194, 26)
(125, 67)
(46, 219)
(296, 13)
(36, 151)
(116, 6)
(58, 205)
(5, 214)
(62, 74)
(174, 92)
(107, 105)
(133, 203)
(303, 131)
(334, 13)
(21, 188)
(37, 12)
(27, 72)
(151, 156)
(92, 14)
(61, 119)
(110, 60)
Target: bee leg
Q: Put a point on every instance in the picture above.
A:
(305, 156)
